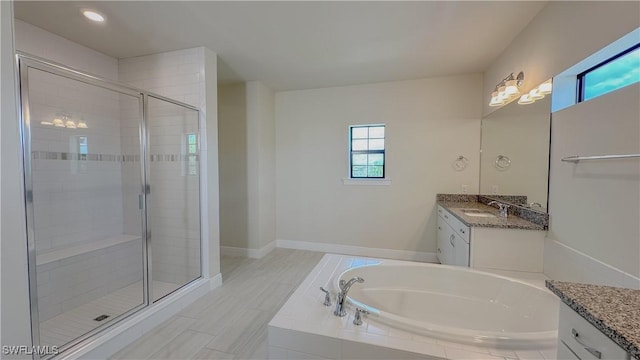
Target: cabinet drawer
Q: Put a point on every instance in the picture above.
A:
(458, 226)
(574, 330)
(564, 353)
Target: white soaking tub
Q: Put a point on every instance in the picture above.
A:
(456, 304)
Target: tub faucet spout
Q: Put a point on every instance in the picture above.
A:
(342, 295)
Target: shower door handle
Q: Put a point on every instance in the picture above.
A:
(140, 200)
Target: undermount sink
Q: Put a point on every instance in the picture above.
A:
(477, 213)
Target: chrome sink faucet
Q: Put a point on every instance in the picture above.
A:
(342, 295)
(502, 208)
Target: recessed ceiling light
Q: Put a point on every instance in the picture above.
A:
(92, 15)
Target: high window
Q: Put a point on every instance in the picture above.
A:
(367, 151)
(616, 72)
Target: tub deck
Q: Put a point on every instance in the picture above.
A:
(304, 327)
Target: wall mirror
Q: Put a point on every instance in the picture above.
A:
(515, 152)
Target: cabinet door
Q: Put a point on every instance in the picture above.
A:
(460, 251)
(445, 247)
(442, 240)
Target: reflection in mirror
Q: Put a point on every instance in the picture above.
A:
(515, 152)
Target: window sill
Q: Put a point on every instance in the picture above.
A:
(375, 182)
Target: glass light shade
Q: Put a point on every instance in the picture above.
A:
(92, 15)
(46, 123)
(70, 124)
(545, 87)
(496, 101)
(525, 99)
(82, 125)
(58, 123)
(511, 87)
(534, 94)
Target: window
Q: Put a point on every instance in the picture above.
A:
(366, 144)
(615, 73)
(191, 143)
(79, 166)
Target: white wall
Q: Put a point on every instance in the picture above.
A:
(562, 34)
(232, 124)
(584, 201)
(35, 41)
(261, 161)
(595, 206)
(247, 168)
(14, 301)
(429, 123)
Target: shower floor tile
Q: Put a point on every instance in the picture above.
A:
(69, 325)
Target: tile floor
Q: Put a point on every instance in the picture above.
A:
(231, 321)
(67, 326)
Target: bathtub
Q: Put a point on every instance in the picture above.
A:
(456, 304)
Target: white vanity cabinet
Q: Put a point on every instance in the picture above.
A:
(488, 247)
(453, 245)
(578, 339)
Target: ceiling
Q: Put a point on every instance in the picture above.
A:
(299, 45)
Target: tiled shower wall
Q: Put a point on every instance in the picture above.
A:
(132, 187)
(174, 197)
(75, 201)
(79, 202)
(68, 283)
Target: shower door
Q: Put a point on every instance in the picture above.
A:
(174, 201)
(112, 188)
(85, 208)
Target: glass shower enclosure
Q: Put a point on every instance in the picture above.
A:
(112, 189)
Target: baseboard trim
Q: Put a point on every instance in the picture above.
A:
(359, 251)
(245, 252)
(215, 282)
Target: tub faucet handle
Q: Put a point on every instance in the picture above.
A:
(357, 318)
(327, 297)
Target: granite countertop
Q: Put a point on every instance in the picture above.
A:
(511, 222)
(614, 311)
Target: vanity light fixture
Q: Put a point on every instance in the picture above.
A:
(57, 122)
(93, 16)
(525, 99)
(507, 89)
(495, 101)
(536, 93)
(64, 121)
(545, 88)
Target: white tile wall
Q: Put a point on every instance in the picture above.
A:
(174, 200)
(71, 282)
(73, 205)
(564, 263)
